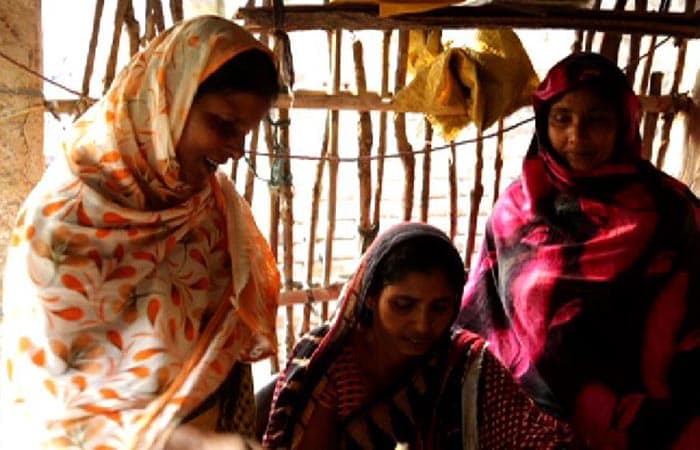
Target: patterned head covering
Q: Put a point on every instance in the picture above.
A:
(127, 297)
(543, 169)
(293, 402)
(579, 273)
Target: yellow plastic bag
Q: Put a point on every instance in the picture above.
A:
(480, 84)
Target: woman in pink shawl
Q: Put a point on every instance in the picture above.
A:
(137, 281)
(587, 286)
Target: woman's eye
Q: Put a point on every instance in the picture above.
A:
(560, 118)
(223, 126)
(601, 119)
(402, 304)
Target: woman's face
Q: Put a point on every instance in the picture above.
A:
(412, 314)
(215, 131)
(583, 128)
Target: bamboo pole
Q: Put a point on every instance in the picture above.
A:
(365, 17)
(610, 46)
(274, 216)
(304, 99)
(635, 45)
(668, 117)
(578, 42)
(590, 33)
(425, 185)
(476, 194)
(364, 166)
(313, 224)
(498, 162)
(133, 29)
(306, 296)
(336, 44)
(287, 213)
(176, 10)
(454, 194)
(149, 31)
(90, 63)
(114, 51)
(381, 145)
(403, 146)
(252, 166)
(649, 124)
(644, 86)
(254, 142)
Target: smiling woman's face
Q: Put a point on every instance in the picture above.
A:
(215, 131)
(582, 129)
(413, 313)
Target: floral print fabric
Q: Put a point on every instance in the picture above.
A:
(128, 298)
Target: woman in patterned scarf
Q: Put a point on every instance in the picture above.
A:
(137, 280)
(587, 286)
(386, 370)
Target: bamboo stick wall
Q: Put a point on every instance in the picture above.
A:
(457, 183)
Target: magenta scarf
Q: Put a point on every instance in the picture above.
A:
(587, 285)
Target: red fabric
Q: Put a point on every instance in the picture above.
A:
(587, 284)
(507, 417)
(346, 390)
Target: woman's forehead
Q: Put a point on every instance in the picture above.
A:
(586, 98)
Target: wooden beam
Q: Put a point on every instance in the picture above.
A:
(370, 101)
(366, 17)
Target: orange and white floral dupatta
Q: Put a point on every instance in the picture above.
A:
(127, 298)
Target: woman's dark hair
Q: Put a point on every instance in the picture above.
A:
(422, 254)
(251, 71)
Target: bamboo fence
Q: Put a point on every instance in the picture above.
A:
(300, 298)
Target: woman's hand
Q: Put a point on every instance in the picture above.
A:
(189, 437)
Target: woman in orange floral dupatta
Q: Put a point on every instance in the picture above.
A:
(137, 279)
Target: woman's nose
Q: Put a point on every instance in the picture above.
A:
(422, 323)
(576, 132)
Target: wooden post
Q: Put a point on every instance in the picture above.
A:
(313, 224)
(176, 10)
(498, 162)
(287, 202)
(249, 189)
(154, 19)
(425, 185)
(114, 51)
(668, 117)
(90, 62)
(404, 147)
(364, 165)
(476, 194)
(611, 40)
(133, 29)
(578, 42)
(332, 153)
(590, 34)
(274, 216)
(381, 145)
(650, 118)
(454, 194)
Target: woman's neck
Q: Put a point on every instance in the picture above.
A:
(381, 365)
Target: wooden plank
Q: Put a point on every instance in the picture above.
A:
(344, 100)
(366, 17)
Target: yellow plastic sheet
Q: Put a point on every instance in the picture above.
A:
(396, 7)
(459, 86)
